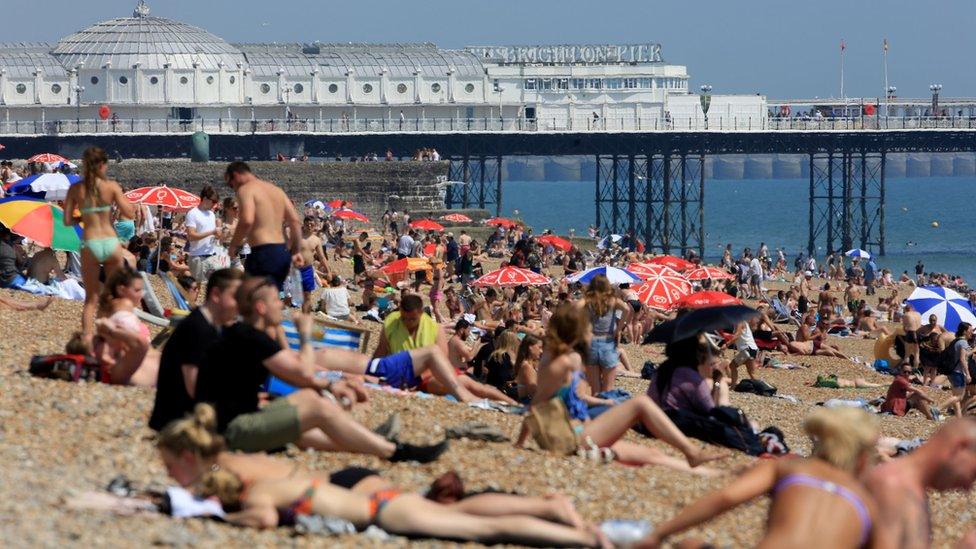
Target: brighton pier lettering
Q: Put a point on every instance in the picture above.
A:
(628, 53)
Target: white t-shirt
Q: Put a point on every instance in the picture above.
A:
(201, 222)
(755, 267)
(335, 302)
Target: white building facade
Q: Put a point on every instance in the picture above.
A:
(150, 68)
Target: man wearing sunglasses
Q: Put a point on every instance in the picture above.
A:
(311, 417)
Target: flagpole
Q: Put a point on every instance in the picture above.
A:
(842, 96)
(887, 94)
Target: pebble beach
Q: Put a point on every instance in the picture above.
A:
(58, 439)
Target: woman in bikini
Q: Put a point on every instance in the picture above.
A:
(94, 199)
(816, 498)
(559, 376)
(262, 492)
(436, 293)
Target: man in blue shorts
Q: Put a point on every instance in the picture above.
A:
(311, 251)
(264, 212)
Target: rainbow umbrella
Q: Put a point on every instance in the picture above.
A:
(41, 222)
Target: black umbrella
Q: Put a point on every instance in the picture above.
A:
(700, 320)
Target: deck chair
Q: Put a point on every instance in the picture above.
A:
(176, 292)
(154, 313)
(782, 315)
(335, 334)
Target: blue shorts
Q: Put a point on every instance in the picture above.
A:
(603, 353)
(396, 370)
(308, 278)
(270, 260)
(958, 380)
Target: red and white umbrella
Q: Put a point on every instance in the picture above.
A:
(49, 158)
(675, 263)
(702, 300)
(501, 222)
(648, 270)
(555, 241)
(351, 215)
(512, 276)
(708, 272)
(661, 290)
(168, 197)
(427, 225)
(456, 218)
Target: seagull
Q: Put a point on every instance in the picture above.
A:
(265, 24)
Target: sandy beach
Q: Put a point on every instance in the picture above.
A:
(58, 438)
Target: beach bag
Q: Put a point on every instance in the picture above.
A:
(755, 386)
(948, 358)
(65, 367)
(724, 425)
(551, 428)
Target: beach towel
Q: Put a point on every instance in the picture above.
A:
(333, 335)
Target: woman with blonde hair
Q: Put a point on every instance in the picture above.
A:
(559, 378)
(262, 492)
(607, 315)
(817, 498)
(501, 363)
(94, 198)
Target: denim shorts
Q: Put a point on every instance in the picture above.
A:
(603, 353)
(958, 380)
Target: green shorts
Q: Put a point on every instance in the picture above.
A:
(271, 428)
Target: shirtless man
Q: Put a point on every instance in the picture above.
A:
(488, 311)
(311, 251)
(946, 462)
(264, 212)
(911, 322)
(930, 347)
(458, 350)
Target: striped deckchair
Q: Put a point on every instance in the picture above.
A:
(335, 334)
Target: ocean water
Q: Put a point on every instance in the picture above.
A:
(745, 213)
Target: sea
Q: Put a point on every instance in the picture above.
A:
(746, 212)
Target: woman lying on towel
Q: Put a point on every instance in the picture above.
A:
(262, 492)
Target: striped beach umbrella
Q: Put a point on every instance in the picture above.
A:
(49, 186)
(49, 158)
(510, 277)
(950, 307)
(39, 221)
(708, 272)
(857, 252)
(615, 275)
(647, 270)
(675, 263)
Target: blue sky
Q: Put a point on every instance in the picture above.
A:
(780, 48)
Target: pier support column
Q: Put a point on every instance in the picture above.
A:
(482, 178)
(853, 214)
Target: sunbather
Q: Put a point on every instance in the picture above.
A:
(258, 493)
(560, 371)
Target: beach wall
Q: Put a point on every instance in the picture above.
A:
(371, 187)
(734, 167)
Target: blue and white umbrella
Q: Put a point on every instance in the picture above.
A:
(615, 275)
(950, 307)
(858, 252)
(49, 186)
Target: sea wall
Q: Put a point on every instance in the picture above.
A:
(371, 187)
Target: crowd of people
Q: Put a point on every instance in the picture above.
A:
(252, 262)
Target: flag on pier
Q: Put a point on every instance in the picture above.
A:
(843, 46)
(885, 45)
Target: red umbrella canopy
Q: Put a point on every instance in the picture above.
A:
(48, 158)
(708, 272)
(703, 300)
(339, 203)
(427, 225)
(663, 289)
(350, 215)
(167, 197)
(675, 263)
(456, 218)
(501, 222)
(512, 276)
(648, 270)
(555, 241)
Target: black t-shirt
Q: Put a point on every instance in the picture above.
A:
(188, 345)
(500, 372)
(233, 372)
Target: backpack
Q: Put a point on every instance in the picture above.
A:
(948, 358)
(724, 425)
(755, 386)
(66, 367)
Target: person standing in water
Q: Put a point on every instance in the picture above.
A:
(264, 210)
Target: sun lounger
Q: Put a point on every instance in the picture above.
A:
(335, 334)
(176, 292)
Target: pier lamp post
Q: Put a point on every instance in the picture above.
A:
(935, 88)
(78, 91)
(890, 94)
(706, 101)
(287, 93)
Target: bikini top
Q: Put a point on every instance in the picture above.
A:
(834, 488)
(96, 209)
(574, 404)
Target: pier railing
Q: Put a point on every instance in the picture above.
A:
(493, 125)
